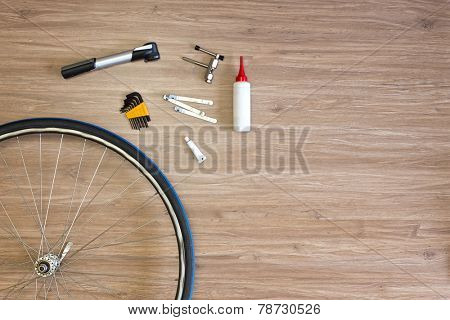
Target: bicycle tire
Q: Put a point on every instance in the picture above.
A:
(143, 163)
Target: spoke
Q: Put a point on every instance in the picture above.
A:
(90, 293)
(15, 237)
(98, 285)
(118, 196)
(57, 289)
(17, 284)
(4, 264)
(23, 287)
(36, 292)
(146, 202)
(125, 278)
(40, 168)
(64, 283)
(48, 289)
(84, 197)
(18, 189)
(89, 203)
(85, 253)
(17, 232)
(103, 186)
(128, 233)
(42, 287)
(29, 183)
(53, 184)
(111, 244)
(12, 288)
(73, 195)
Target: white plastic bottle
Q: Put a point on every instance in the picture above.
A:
(241, 101)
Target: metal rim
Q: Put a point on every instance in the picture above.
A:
(138, 165)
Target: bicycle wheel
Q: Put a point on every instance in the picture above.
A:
(84, 214)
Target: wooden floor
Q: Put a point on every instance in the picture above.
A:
(364, 214)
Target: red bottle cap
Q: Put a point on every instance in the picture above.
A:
(241, 75)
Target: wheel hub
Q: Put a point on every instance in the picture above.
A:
(47, 265)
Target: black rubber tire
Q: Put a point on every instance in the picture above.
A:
(146, 162)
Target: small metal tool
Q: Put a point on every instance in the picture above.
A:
(213, 63)
(136, 111)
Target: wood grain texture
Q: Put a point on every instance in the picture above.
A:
(370, 79)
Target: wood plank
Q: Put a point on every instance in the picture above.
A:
(368, 219)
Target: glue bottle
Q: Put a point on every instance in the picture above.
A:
(241, 101)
